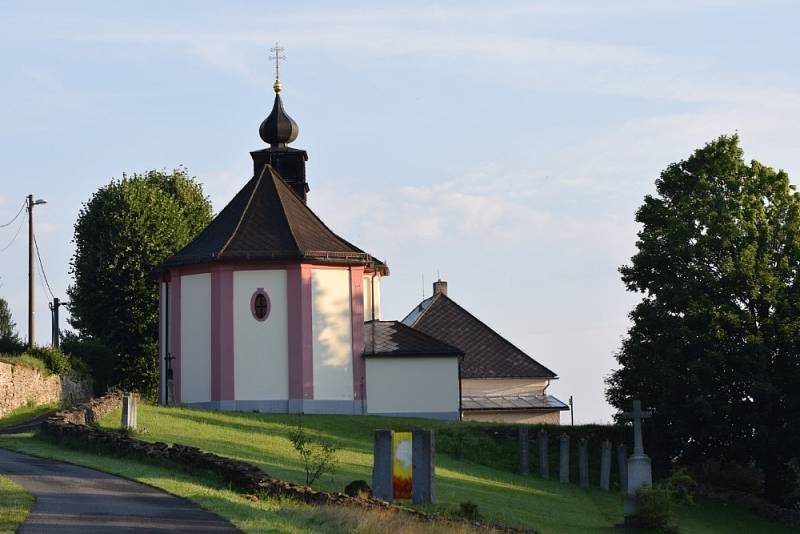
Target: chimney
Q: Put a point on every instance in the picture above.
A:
(440, 286)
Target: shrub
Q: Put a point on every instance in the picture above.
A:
(681, 486)
(11, 345)
(469, 510)
(728, 475)
(56, 361)
(653, 508)
(318, 457)
(93, 354)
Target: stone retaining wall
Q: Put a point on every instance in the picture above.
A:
(21, 385)
(72, 426)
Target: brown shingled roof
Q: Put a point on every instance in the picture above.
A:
(393, 338)
(266, 220)
(487, 354)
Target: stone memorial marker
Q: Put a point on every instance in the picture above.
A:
(639, 469)
(423, 466)
(583, 462)
(622, 466)
(544, 460)
(564, 460)
(129, 410)
(382, 465)
(605, 465)
(524, 468)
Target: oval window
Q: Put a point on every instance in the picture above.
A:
(260, 305)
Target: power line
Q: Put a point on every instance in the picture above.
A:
(41, 266)
(15, 216)
(19, 228)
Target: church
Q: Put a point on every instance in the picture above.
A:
(269, 310)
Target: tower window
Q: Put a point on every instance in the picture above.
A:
(260, 305)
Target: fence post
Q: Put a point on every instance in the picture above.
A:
(382, 465)
(583, 462)
(544, 461)
(564, 460)
(524, 468)
(622, 460)
(605, 465)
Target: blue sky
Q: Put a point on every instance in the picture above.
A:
(503, 145)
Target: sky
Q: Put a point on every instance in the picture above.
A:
(504, 146)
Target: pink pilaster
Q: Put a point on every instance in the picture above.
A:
(357, 307)
(222, 362)
(175, 331)
(301, 354)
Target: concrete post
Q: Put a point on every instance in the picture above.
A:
(544, 459)
(423, 453)
(622, 461)
(583, 462)
(605, 465)
(382, 465)
(129, 410)
(524, 468)
(564, 460)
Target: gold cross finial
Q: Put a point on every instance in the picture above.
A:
(277, 50)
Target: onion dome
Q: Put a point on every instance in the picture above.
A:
(278, 128)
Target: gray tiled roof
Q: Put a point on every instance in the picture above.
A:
(487, 354)
(511, 402)
(393, 338)
(266, 220)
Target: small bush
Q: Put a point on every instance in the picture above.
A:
(682, 486)
(726, 475)
(469, 510)
(654, 508)
(56, 361)
(318, 457)
(11, 345)
(94, 356)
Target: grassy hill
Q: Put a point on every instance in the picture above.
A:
(503, 498)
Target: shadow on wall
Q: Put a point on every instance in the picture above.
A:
(331, 318)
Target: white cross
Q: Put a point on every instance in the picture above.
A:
(637, 415)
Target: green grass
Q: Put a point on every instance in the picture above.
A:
(26, 360)
(15, 504)
(504, 498)
(25, 413)
(265, 515)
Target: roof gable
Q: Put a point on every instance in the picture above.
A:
(266, 220)
(487, 354)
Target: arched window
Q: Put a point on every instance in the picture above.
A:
(260, 305)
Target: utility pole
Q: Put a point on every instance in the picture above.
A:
(31, 204)
(55, 331)
(571, 412)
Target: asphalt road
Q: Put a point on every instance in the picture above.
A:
(72, 499)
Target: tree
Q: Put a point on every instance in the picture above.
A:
(123, 232)
(7, 325)
(715, 342)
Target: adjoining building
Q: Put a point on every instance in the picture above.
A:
(499, 382)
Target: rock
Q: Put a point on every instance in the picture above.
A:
(358, 489)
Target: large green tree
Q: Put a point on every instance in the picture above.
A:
(7, 325)
(715, 341)
(123, 232)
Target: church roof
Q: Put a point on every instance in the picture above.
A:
(487, 354)
(393, 338)
(267, 221)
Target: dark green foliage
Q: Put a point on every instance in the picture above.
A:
(654, 509)
(56, 361)
(95, 356)
(715, 342)
(123, 232)
(728, 475)
(11, 345)
(7, 325)
(469, 510)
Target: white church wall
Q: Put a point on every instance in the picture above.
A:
(332, 331)
(260, 348)
(368, 304)
(196, 338)
(423, 386)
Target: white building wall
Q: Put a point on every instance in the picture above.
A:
(368, 288)
(195, 338)
(332, 330)
(424, 385)
(260, 348)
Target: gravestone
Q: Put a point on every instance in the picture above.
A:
(524, 468)
(382, 465)
(563, 473)
(583, 462)
(544, 461)
(605, 465)
(622, 466)
(423, 466)
(129, 412)
(640, 472)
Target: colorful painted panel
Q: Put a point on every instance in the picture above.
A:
(401, 465)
